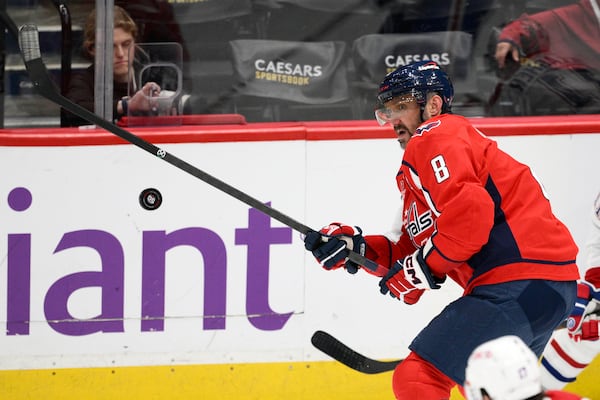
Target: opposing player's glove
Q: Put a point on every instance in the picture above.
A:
(332, 244)
(409, 278)
(581, 324)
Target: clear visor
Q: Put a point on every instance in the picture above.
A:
(383, 116)
(394, 110)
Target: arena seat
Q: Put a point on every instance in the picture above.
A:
(281, 80)
(322, 20)
(375, 55)
(206, 28)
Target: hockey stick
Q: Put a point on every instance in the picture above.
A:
(337, 350)
(30, 50)
(350, 358)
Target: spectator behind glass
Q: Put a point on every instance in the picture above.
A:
(506, 369)
(550, 62)
(156, 23)
(81, 86)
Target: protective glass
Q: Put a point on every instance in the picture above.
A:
(394, 109)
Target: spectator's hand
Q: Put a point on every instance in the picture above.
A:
(142, 101)
(331, 245)
(503, 49)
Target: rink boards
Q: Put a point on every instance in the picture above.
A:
(205, 296)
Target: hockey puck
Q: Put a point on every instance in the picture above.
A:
(150, 199)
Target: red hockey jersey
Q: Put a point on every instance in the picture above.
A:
(480, 216)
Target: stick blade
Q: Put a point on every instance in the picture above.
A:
(350, 358)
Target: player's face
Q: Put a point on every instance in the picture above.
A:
(404, 114)
(123, 45)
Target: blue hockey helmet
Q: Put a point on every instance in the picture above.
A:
(417, 79)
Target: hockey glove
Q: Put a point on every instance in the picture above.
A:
(409, 278)
(332, 243)
(580, 324)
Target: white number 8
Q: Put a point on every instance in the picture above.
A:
(439, 169)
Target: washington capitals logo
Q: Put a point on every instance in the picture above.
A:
(417, 224)
(429, 65)
(428, 127)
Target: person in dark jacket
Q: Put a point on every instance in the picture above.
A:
(81, 86)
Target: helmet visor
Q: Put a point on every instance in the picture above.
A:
(394, 109)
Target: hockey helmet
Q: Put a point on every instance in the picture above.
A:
(417, 79)
(505, 368)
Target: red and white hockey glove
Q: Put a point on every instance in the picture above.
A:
(332, 243)
(409, 278)
(582, 324)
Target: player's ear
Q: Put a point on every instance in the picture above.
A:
(434, 105)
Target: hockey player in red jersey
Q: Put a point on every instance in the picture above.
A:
(571, 350)
(506, 369)
(471, 213)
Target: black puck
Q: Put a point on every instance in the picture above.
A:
(150, 199)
